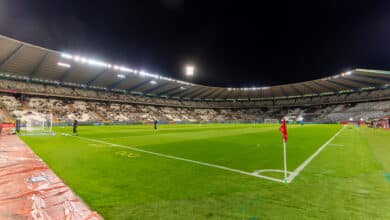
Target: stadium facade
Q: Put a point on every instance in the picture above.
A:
(73, 86)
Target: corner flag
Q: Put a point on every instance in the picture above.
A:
(283, 129)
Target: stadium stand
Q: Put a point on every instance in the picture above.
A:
(37, 80)
(88, 111)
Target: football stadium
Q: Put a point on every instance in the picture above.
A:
(84, 138)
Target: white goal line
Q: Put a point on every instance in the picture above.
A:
(289, 179)
(179, 158)
(299, 169)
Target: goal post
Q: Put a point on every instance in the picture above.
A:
(271, 121)
(36, 124)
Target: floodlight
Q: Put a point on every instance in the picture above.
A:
(66, 55)
(125, 69)
(190, 70)
(88, 61)
(66, 65)
(121, 76)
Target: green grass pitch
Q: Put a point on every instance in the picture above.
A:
(347, 180)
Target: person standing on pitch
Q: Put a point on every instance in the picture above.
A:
(75, 124)
(155, 124)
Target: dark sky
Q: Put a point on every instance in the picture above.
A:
(232, 43)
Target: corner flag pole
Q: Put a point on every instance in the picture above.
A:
(285, 160)
(283, 129)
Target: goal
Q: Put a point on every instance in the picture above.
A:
(36, 124)
(271, 121)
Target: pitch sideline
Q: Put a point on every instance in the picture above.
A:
(299, 169)
(290, 178)
(179, 158)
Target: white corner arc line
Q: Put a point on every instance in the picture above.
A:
(270, 171)
(296, 172)
(180, 158)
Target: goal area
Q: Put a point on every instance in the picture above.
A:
(271, 121)
(36, 124)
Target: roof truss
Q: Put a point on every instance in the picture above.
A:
(11, 55)
(39, 65)
(156, 87)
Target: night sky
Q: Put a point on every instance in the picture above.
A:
(232, 43)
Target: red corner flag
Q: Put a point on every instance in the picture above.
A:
(283, 129)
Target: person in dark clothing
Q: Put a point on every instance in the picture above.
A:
(75, 124)
(155, 124)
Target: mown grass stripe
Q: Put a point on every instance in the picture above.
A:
(179, 158)
(387, 175)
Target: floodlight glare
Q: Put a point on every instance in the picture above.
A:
(66, 65)
(153, 82)
(67, 56)
(122, 69)
(121, 76)
(190, 70)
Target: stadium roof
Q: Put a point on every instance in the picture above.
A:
(29, 62)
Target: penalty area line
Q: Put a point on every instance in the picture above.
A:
(179, 158)
(299, 169)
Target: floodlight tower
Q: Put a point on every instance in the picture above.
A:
(189, 70)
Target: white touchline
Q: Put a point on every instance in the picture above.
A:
(296, 172)
(290, 177)
(178, 158)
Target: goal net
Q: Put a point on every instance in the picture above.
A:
(271, 121)
(36, 124)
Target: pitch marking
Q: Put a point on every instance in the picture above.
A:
(179, 158)
(270, 171)
(290, 178)
(296, 172)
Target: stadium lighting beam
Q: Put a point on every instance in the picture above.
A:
(190, 70)
(123, 69)
(66, 65)
(121, 76)
(66, 55)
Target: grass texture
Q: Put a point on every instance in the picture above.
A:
(347, 180)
